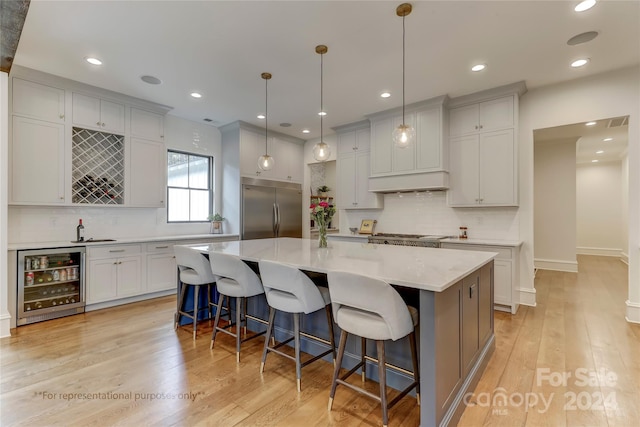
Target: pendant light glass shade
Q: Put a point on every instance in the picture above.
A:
(265, 162)
(404, 135)
(322, 150)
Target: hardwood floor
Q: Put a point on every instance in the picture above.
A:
(127, 366)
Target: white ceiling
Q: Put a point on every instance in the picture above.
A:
(220, 48)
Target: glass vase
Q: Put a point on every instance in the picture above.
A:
(322, 234)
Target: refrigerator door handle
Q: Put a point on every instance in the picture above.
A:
(275, 220)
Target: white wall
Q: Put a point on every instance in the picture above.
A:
(599, 224)
(5, 318)
(610, 94)
(555, 205)
(33, 223)
(625, 208)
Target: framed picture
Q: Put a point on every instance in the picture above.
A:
(367, 226)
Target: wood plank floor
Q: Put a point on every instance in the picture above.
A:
(127, 366)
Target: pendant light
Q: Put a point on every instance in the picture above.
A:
(321, 151)
(404, 134)
(265, 162)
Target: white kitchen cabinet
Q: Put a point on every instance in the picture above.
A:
(505, 275)
(482, 117)
(96, 113)
(161, 267)
(289, 164)
(147, 179)
(147, 125)
(114, 272)
(354, 162)
(381, 146)
(37, 162)
(38, 101)
(252, 146)
(483, 170)
(287, 155)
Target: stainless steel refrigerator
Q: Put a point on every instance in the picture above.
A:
(270, 209)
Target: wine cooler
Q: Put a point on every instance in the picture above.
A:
(50, 284)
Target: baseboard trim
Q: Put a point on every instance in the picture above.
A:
(527, 296)
(5, 326)
(633, 312)
(624, 257)
(599, 251)
(122, 301)
(555, 265)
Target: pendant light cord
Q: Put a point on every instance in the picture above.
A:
(403, 60)
(266, 115)
(321, 98)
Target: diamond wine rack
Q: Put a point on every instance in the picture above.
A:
(98, 167)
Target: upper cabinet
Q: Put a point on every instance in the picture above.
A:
(147, 125)
(483, 151)
(353, 167)
(95, 113)
(485, 116)
(38, 101)
(94, 154)
(420, 166)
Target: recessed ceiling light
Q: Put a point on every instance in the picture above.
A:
(196, 95)
(580, 62)
(322, 113)
(599, 152)
(478, 67)
(305, 131)
(590, 123)
(585, 5)
(151, 80)
(385, 95)
(594, 161)
(261, 116)
(582, 38)
(608, 139)
(93, 61)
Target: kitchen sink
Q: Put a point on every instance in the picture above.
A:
(93, 241)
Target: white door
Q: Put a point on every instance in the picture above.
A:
(101, 283)
(112, 116)
(148, 125)
(496, 114)
(428, 140)
(364, 197)
(346, 181)
(161, 272)
(463, 176)
(38, 101)
(147, 177)
(381, 146)
(463, 120)
(129, 280)
(502, 282)
(86, 111)
(497, 168)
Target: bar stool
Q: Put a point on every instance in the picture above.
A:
(289, 290)
(371, 309)
(236, 280)
(194, 271)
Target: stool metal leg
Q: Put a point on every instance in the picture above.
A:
(238, 323)
(215, 322)
(363, 345)
(382, 374)
(336, 370)
(296, 332)
(272, 317)
(414, 358)
(196, 297)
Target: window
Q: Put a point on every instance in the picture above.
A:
(189, 187)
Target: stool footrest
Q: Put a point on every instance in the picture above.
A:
(359, 390)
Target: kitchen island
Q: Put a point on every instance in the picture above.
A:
(454, 292)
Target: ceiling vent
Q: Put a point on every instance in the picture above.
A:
(618, 121)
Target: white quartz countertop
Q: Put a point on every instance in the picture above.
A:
(420, 268)
(487, 242)
(118, 241)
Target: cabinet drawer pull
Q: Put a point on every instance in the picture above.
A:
(471, 289)
(162, 247)
(116, 250)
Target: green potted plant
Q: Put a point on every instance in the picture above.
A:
(216, 223)
(323, 190)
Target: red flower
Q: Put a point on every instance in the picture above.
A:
(312, 206)
(324, 204)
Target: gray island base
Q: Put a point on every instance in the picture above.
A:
(452, 289)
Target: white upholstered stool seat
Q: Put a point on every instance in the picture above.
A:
(236, 280)
(371, 309)
(289, 290)
(194, 271)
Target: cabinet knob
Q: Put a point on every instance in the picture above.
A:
(98, 123)
(162, 136)
(61, 197)
(480, 126)
(476, 126)
(62, 116)
(102, 124)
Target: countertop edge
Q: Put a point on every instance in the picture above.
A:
(121, 241)
(483, 242)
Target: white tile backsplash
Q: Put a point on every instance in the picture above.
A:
(428, 213)
(49, 224)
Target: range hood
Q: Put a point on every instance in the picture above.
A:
(409, 182)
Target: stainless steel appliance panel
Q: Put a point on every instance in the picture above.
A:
(259, 212)
(289, 212)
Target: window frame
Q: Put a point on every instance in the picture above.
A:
(210, 173)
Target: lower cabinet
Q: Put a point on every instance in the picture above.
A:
(505, 272)
(114, 272)
(161, 267)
